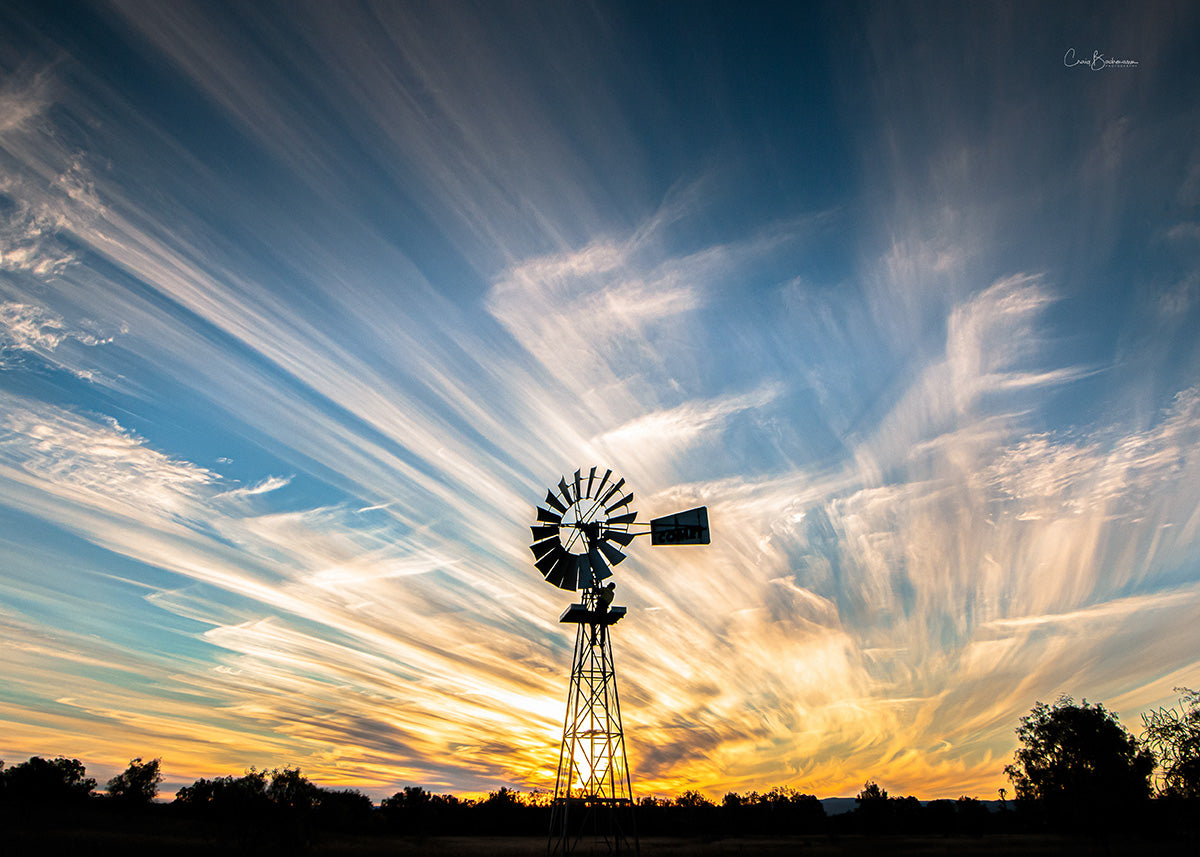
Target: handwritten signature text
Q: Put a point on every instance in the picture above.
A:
(1097, 62)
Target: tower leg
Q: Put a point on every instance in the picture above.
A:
(592, 812)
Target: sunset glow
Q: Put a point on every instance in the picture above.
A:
(304, 305)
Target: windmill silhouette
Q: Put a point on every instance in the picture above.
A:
(575, 546)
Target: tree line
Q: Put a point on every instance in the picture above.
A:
(1077, 768)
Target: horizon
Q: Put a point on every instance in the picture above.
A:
(303, 308)
(159, 798)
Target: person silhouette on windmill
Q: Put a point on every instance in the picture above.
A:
(606, 595)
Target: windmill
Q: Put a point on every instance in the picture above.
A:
(576, 542)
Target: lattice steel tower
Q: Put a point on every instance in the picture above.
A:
(574, 548)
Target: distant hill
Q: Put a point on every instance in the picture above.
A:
(838, 805)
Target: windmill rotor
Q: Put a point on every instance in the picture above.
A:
(579, 528)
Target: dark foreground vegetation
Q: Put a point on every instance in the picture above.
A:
(1083, 784)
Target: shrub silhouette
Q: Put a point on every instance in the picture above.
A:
(1174, 737)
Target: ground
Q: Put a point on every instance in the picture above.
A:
(81, 843)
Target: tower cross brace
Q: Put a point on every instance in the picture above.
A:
(592, 811)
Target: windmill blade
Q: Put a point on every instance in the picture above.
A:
(624, 501)
(557, 576)
(591, 479)
(578, 487)
(603, 482)
(613, 490)
(584, 571)
(621, 538)
(567, 569)
(548, 517)
(565, 490)
(614, 556)
(554, 503)
(565, 573)
(600, 569)
(540, 533)
(540, 549)
(546, 564)
(621, 519)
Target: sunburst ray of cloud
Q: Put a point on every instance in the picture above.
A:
(445, 310)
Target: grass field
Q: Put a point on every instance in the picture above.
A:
(84, 843)
(818, 846)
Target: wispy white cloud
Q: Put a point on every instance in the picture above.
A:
(26, 327)
(665, 433)
(909, 543)
(100, 463)
(265, 486)
(28, 238)
(1104, 612)
(107, 485)
(992, 340)
(598, 322)
(23, 98)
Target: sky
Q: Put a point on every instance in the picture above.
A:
(303, 306)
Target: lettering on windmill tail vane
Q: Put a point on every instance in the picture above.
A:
(677, 535)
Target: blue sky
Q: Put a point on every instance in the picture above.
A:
(303, 305)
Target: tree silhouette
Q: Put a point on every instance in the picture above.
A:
(138, 783)
(509, 812)
(780, 810)
(971, 816)
(873, 814)
(416, 811)
(47, 781)
(222, 794)
(1079, 764)
(232, 809)
(291, 790)
(345, 810)
(1174, 737)
(871, 791)
(692, 811)
(280, 808)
